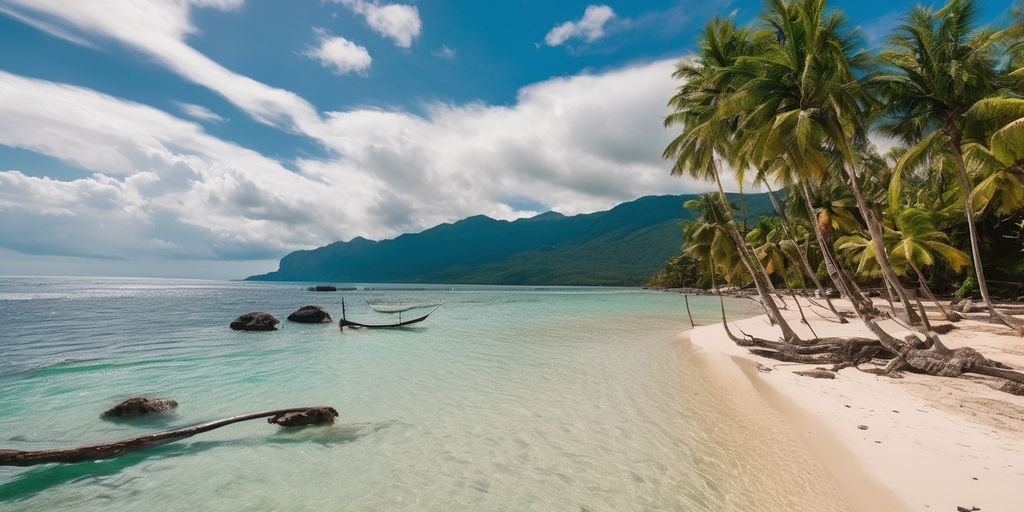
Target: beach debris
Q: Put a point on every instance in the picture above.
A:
(965, 509)
(762, 368)
(140, 406)
(117, 448)
(311, 416)
(862, 427)
(817, 373)
(1013, 388)
(322, 288)
(311, 315)
(255, 321)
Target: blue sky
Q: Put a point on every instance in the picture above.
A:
(210, 137)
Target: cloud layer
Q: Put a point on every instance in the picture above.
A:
(162, 187)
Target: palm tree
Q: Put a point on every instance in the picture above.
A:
(995, 152)
(803, 101)
(708, 241)
(703, 138)
(789, 227)
(920, 245)
(939, 65)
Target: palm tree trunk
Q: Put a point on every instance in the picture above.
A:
(842, 282)
(979, 271)
(788, 334)
(800, 252)
(928, 293)
(744, 249)
(875, 230)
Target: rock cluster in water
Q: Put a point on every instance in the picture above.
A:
(310, 315)
(140, 406)
(323, 288)
(255, 321)
(311, 416)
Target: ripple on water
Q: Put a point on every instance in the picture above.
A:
(505, 399)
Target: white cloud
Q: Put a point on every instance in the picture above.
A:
(199, 112)
(444, 52)
(164, 188)
(398, 22)
(339, 55)
(158, 29)
(588, 28)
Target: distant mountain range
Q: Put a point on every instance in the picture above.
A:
(623, 246)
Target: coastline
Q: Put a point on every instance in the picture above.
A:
(930, 443)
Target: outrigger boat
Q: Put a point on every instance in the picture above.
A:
(345, 322)
(399, 307)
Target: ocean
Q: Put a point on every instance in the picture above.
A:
(506, 398)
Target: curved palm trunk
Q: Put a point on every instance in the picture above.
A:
(979, 271)
(928, 293)
(788, 334)
(843, 283)
(875, 230)
(742, 244)
(800, 252)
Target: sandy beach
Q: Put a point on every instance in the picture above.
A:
(916, 443)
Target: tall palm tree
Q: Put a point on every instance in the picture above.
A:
(939, 65)
(789, 227)
(804, 101)
(704, 138)
(707, 240)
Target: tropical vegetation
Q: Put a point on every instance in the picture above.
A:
(898, 167)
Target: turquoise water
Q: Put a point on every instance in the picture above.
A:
(505, 399)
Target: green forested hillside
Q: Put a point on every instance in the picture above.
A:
(621, 246)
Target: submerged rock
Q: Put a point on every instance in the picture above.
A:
(310, 315)
(311, 416)
(255, 321)
(139, 406)
(323, 288)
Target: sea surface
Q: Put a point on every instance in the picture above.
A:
(506, 398)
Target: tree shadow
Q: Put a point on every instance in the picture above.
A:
(39, 479)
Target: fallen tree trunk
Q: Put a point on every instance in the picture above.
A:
(118, 448)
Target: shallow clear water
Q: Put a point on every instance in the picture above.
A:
(505, 399)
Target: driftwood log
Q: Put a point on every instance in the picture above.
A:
(926, 356)
(301, 415)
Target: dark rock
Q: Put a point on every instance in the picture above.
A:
(139, 406)
(310, 315)
(862, 427)
(965, 509)
(311, 416)
(323, 288)
(255, 321)
(817, 374)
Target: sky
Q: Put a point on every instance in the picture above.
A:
(208, 138)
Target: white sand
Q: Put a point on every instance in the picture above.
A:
(931, 443)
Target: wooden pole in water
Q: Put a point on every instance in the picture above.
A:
(117, 448)
(686, 299)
